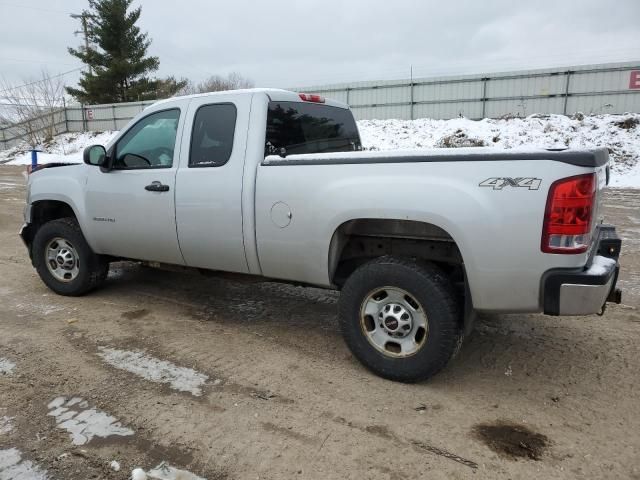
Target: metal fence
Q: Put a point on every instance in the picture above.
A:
(51, 123)
(100, 118)
(76, 118)
(591, 89)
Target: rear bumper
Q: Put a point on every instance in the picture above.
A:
(585, 291)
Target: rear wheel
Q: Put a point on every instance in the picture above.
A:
(64, 260)
(400, 318)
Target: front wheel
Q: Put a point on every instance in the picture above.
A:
(64, 260)
(400, 318)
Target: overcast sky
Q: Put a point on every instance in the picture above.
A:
(310, 42)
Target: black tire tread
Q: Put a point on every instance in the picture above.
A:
(98, 268)
(424, 275)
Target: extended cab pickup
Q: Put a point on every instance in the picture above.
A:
(275, 184)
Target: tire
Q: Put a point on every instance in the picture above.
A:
(419, 291)
(79, 270)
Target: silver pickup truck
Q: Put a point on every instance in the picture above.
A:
(275, 184)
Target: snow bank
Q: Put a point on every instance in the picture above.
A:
(160, 371)
(619, 133)
(66, 147)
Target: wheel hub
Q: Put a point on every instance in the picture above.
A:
(393, 321)
(62, 260)
(397, 321)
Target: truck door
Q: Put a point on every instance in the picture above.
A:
(131, 208)
(209, 183)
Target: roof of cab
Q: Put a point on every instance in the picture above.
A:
(274, 94)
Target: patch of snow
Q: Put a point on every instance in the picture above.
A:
(164, 471)
(160, 371)
(66, 148)
(84, 423)
(534, 131)
(626, 178)
(6, 425)
(619, 133)
(6, 366)
(114, 465)
(138, 474)
(13, 467)
(600, 265)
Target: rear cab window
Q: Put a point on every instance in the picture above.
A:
(299, 127)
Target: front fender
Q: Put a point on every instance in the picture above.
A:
(62, 184)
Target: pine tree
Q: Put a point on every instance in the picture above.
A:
(117, 57)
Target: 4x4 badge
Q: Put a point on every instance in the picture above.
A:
(498, 183)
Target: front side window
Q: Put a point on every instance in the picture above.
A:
(212, 138)
(149, 143)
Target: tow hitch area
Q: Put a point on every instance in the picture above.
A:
(615, 296)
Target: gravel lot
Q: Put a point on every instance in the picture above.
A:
(244, 380)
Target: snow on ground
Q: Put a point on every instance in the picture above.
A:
(13, 467)
(164, 471)
(6, 425)
(84, 423)
(66, 147)
(160, 371)
(619, 133)
(6, 366)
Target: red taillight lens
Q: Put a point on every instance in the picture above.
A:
(307, 97)
(567, 219)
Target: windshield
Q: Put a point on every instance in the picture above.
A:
(310, 128)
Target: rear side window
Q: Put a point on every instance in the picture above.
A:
(212, 135)
(299, 127)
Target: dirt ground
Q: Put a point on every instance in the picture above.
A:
(528, 396)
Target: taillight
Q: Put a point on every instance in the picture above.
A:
(307, 97)
(568, 216)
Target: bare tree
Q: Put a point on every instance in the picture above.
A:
(217, 83)
(33, 109)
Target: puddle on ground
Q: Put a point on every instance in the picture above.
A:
(512, 440)
(160, 371)
(83, 422)
(13, 467)
(6, 366)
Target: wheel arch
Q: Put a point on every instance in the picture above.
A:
(43, 211)
(359, 240)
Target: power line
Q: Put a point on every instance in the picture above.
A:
(9, 4)
(40, 81)
(34, 61)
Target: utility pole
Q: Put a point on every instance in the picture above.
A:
(83, 17)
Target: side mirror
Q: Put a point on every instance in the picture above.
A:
(95, 155)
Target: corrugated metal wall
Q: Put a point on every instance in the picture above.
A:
(40, 127)
(591, 89)
(103, 117)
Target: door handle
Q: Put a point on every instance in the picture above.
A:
(157, 187)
